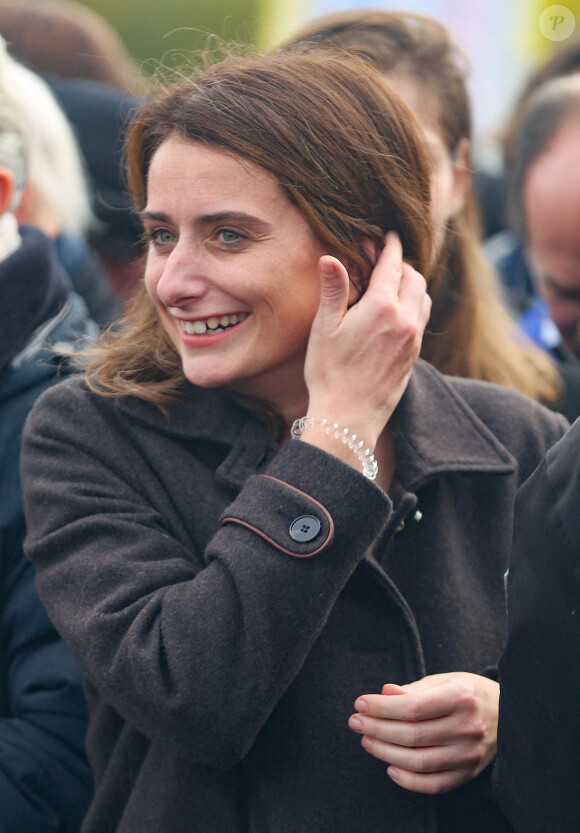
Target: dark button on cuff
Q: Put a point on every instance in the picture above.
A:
(304, 528)
(284, 516)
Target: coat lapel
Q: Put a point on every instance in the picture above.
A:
(437, 432)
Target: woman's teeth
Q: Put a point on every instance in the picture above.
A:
(213, 324)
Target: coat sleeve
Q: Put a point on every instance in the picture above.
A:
(538, 767)
(45, 784)
(193, 649)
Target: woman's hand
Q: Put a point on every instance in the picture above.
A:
(359, 360)
(436, 733)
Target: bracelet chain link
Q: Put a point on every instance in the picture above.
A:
(369, 464)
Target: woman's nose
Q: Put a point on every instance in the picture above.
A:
(182, 277)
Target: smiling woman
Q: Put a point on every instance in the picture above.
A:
(341, 205)
(233, 247)
(255, 509)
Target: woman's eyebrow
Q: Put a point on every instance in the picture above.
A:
(153, 215)
(233, 217)
(216, 217)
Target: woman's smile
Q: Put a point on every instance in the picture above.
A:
(212, 325)
(233, 268)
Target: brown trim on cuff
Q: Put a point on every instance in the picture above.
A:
(271, 541)
(274, 543)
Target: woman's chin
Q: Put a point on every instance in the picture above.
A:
(207, 382)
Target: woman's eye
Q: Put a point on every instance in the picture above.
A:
(159, 237)
(228, 235)
(162, 236)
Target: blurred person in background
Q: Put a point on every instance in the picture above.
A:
(56, 197)
(470, 334)
(45, 784)
(70, 41)
(100, 115)
(544, 200)
(504, 248)
(80, 54)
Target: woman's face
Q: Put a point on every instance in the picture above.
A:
(232, 267)
(450, 176)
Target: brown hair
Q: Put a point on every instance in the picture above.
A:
(470, 333)
(344, 149)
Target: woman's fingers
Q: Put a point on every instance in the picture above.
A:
(396, 300)
(334, 286)
(411, 734)
(387, 273)
(360, 357)
(429, 784)
(413, 294)
(434, 701)
(436, 733)
(425, 760)
(431, 769)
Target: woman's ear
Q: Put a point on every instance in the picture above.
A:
(371, 248)
(461, 175)
(358, 280)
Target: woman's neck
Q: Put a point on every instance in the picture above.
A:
(288, 399)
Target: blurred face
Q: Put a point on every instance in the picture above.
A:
(449, 176)
(551, 203)
(233, 269)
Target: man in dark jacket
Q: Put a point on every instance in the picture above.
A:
(45, 783)
(538, 768)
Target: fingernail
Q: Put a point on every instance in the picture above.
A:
(326, 269)
(393, 773)
(355, 724)
(361, 706)
(392, 688)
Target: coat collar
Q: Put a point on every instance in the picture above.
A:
(436, 431)
(214, 417)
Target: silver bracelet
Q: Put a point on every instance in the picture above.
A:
(369, 464)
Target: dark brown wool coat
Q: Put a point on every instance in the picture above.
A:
(221, 669)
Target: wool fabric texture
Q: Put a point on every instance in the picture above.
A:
(221, 670)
